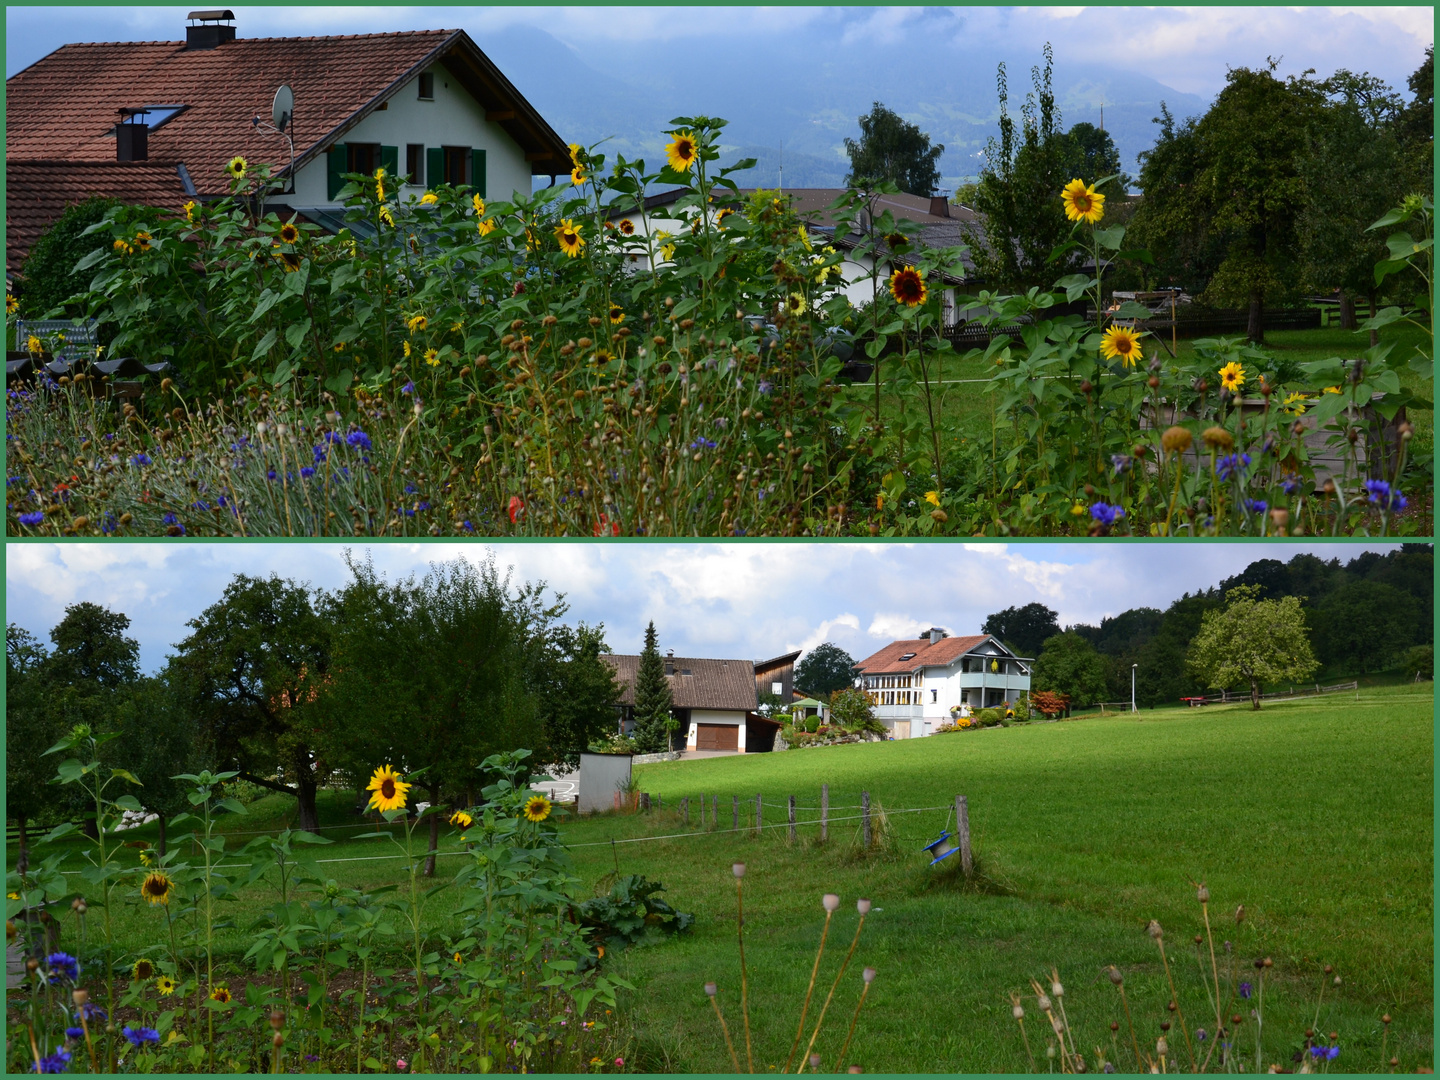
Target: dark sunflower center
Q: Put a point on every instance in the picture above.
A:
(387, 788)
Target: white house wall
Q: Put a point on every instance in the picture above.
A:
(454, 118)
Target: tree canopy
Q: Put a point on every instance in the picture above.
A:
(654, 719)
(1069, 665)
(823, 670)
(891, 148)
(1253, 641)
(1024, 629)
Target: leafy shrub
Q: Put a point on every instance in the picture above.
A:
(1022, 710)
(632, 913)
(48, 277)
(991, 717)
(812, 724)
(1420, 662)
(615, 744)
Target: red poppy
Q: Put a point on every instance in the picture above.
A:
(517, 508)
(604, 524)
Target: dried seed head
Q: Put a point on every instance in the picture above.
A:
(1329, 970)
(1153, 929)
(830, 901)
(814, 1061)
(1042, 1003)
(738, 869)
(1018, 1011)
(1176, 440)
(277, 1018)
(1114, 1025)
(1057, 989)
(1199, 939)
(1161, 1046)
(854, 1069)
(710, 989)
(80, 997)
(1115, 976)
(1385, 1019)
(1268, 962)
(863, 906)
(278, 1040)
(1164, 1025)
(868, 974)
(1239, 914)
(1172, 1006)
(1057, 1025)
(1050, 1051)
(1218, 438)
(1202, 893)
(1337, 980)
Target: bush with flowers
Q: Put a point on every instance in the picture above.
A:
(446, 365)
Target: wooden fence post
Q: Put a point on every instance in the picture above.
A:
(734, 813)
(685, 809)
(759, 815)
(865, 816)
(962, 827)
(644, 800)
(824, 812)
(714, 811)
(792, 819)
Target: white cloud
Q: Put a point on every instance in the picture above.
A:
(826, 631)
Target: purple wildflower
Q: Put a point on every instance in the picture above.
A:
(307, 472)
(1105, 514)
(765, 386)
(140, 1036)
(1121, 463)
(1256, 506)
(34, 518)
(141, 459)
(57, 1062)
(1232, 466)
(62, 965)
(358, 438)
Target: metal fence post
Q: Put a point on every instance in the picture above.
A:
(792, 819)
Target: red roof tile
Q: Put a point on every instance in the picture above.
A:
(37, 192)
(62, 106)
(943, 652)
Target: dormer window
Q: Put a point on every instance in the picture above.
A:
(907, 656)
(427, 86)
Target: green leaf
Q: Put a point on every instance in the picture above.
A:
(1131, 310)
(295, 333)
(129, 802)
(264, 345)
(1329, 405)
(1383, 317)
(1110, 238)
(1135, 255)
(125, 774)
(233, 806)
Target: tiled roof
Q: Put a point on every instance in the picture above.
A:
(814, 204)
(711, 684)
(943, 652)
(62, 106)
(37, 192)
(786, 660)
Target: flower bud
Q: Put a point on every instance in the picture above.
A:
(278, 1041)
(1268, 962)
(830, 901)
(1153, 929)
(863, 906)
(1057, 989)
(868, 974)
(277, 1019)
(738, 869)
(710, 989)
(1385, 1019)
(1161, 1046)
(1203, 894)
(1115, 976)
(1042, 1003)
(1018, 1011)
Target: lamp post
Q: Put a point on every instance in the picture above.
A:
(1132, 687)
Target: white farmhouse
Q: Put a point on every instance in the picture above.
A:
(914, 684)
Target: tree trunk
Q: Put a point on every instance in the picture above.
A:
(24, 837)
(1255, 331)
(160, 840)
(1347, 311)
(434, 833)
(1374, 334)
(1255, 694)
(90, 828)
(305, 793)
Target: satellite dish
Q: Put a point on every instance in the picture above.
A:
(283, 110)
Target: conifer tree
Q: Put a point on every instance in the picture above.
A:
(653, 720)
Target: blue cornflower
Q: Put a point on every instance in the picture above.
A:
(738, 531)
(1290, 482)
(423, 504)
(57, 1062)
(1232, 465)
(1245, 990)
(62, 966)
(408, 388)
(1105, 514)
(307, 472)
(170, 519)
(140, 1036)
(200, 504)
(76, 1033)
(1383, 496)
(1121, 462)
(12, 481)
(94, 1012)
(410, 489)
(34, 518)
(109, 523)
(358, 438)
(467, 526)
(765, 386)
(703, 443)
(320, 453)
(1329, 1053)
(1256, 506)
(140, 459)
(270, 475)
(333, 437)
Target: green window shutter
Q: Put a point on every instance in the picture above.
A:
(434, 167)
(477, 172)
(390, 160)
(335, 162)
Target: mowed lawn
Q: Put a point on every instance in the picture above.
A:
(1316, 815)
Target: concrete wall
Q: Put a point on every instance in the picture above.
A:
(601, 775)
(454, 118)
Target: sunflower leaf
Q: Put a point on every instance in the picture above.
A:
(1110, 238)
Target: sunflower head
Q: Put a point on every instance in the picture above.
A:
(537, 808)
(220, 994)
(1121, 343)
(190, 210)
(289, 233)
(577, 175)
(485, 226)
(682, 152)
(575, 152)
(157, 887)
(388, 790)
(34, 345)
(380, 183)
(617, 315)
(627, 227)
(1232, 376)
(722, 215)
(405, 347)
(907, 286)
(290, 260)
(897, 241)
(429, 199)
(142, 240)
(1082, 203)
(236, 168)
(143, 970)
(1295, 404)
(166, 985)
(461, 820)
(568, 234)
(416, 323)
(432, 357)
(794, 304)
(602, 357)
(387, 217)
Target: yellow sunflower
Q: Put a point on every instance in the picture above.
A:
(405, 345)
(389, 790)
(461, 820)
(157, 887)
(166, 985)
(416, 323)
(290, 259)
(577, 175)
(432, 357)
(722, 215)
(568, 233)
(122, 246)
(602, 357)
(146, 857)
(380, 183)
(387, 217)
(794, 303)
(34, 345)
(142, 240)
(907, 286)
(575, 151)
(667, 251)
(537, 808)
(220, 994)
(682, 152)
(1232, 377)
(617, 315)
(1082, 203)
(627, 227)
(236, 168)
(1295, 404)
(429, 199)
(189, 209)
(485, 226)
(289, 233)
(143, 970)
(1121, 343)
(1332, 389)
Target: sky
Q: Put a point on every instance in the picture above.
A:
(1184, 48)
(747, 601)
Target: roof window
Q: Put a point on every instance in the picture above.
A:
(151, 116)
(907, 656)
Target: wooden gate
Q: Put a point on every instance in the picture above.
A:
(717, 736)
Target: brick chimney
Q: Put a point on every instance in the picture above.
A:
(939, 206)
(210, 34)
(132, 136)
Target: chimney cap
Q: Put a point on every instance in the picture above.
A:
(214, 15)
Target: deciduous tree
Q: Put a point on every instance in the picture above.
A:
(1253, 641)
(891, 148)
(823, 670)
(1023, 629)
(1069, 665)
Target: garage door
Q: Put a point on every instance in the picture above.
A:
(717, 737)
